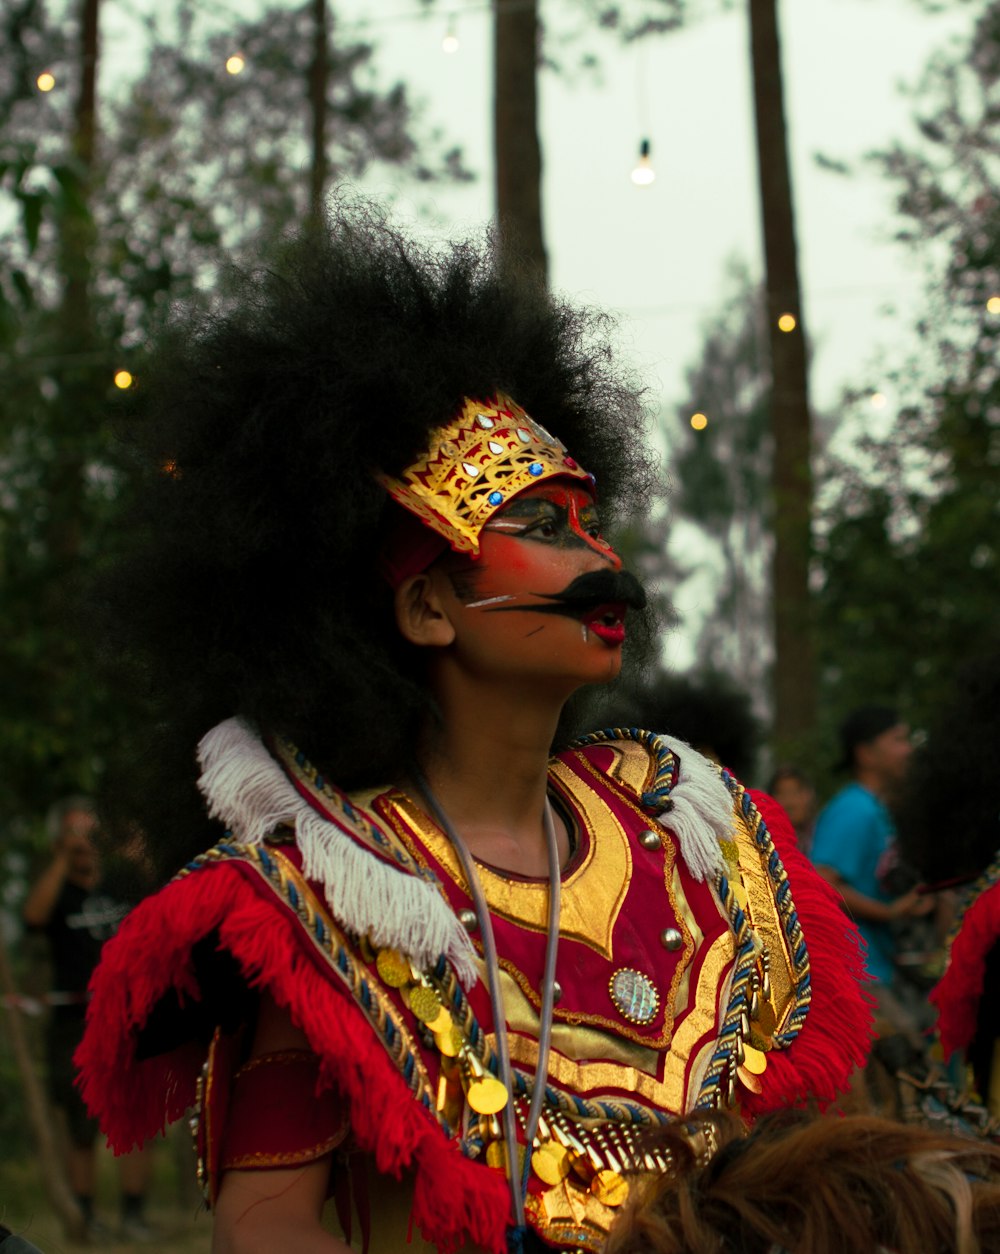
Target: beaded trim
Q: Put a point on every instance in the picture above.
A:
(667, 767)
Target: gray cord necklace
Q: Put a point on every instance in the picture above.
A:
(518, 1186)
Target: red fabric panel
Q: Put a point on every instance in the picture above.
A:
(276, 1117)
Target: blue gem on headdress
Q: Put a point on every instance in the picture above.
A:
(495, 498)
(535, 468)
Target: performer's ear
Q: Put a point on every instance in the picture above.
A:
(420, 612)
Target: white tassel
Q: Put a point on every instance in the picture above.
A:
(248, 791)
(701, 814)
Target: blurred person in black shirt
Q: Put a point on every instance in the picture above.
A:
(77, 907)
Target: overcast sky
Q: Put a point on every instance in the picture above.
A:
(658, 254)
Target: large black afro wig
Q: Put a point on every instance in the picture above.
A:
(254, 587)
(949, 814)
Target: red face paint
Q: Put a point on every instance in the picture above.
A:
(547, 590)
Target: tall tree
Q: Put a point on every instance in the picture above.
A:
(518, 151)
(795, 677)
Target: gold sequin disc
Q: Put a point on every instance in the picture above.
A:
(749, 1080)
(766, 1020)
(424, 1004)
(754, 1060)
(609, 1187)
(443, 1023)
(449, 1043)
(487, 1095)
(393, 968)
(550, 1162)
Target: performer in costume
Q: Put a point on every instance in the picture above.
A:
(950, 790)
(432, 968)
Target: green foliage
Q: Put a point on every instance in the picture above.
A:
(191, 164)
(910, 542)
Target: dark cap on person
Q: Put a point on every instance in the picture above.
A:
(861, 727)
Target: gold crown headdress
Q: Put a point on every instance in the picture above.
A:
(475, 465)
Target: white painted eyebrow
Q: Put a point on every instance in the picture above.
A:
(474, 605)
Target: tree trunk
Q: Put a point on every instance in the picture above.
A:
(795, 678)
(318, 76)
(50, 1159)
(518, 153)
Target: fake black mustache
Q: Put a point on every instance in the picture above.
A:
(596, 587)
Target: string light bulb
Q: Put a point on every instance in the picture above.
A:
(643, 174)
(45, 81)
(699, 421)
(787, 322)
(235, 64)
(878, 400)
(450, 41)
(123, 380)
(993, 305)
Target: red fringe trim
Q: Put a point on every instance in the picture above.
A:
(960, 989)
(456, 1200)
(837, 1032)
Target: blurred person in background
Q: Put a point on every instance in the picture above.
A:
(77, 908)
(794, 792)
(853, 848)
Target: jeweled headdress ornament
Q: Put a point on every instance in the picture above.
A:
(475, 464)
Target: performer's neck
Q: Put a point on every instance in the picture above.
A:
(487, 763)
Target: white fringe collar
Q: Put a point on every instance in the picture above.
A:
(248, 791)
(701, 814)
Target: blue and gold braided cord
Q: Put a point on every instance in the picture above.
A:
(725, 1056)
(801, 977)
(292, 889)
(339, 803)
(656, 796)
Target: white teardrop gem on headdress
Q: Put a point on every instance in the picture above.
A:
(495, 449)
(470, 470)
(486, 422)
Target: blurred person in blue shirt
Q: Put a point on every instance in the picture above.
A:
(853, 847)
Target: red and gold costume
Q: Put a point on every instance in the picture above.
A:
(966, 993)
(691, 972)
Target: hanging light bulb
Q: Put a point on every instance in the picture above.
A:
(45, 81)
(450, 41)
(235, 64)
(643, 174)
